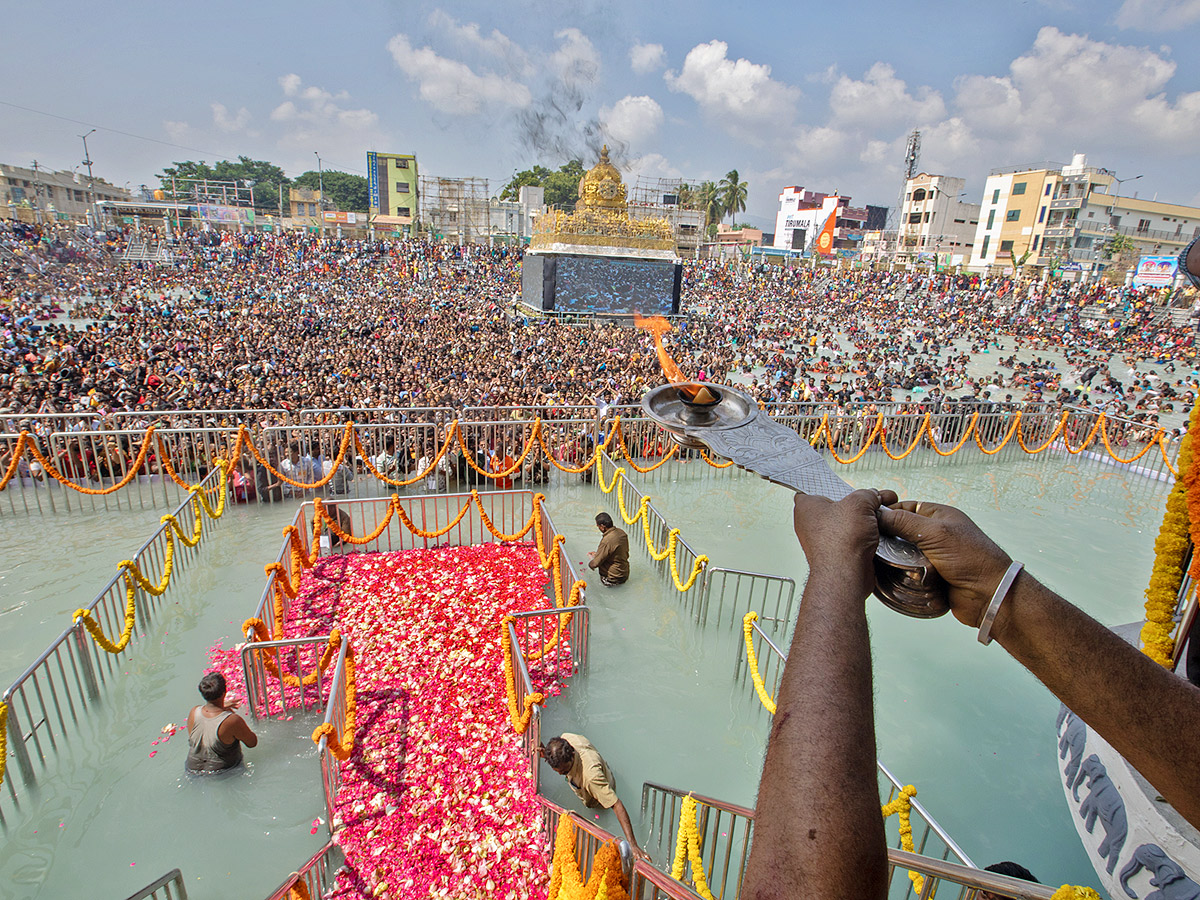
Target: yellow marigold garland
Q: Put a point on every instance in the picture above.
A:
(902, 807)
(343, 747)
(3, 740)
(1070, 892)
(752, 662)
(1169, 549)
(97, 633)
(566, 882)
(520, 718)
(687, 849)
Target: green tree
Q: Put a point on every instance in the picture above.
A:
(345, 191)
(534, 177)
(708, 199)
(687, 196)
(733, 194)
(562, 187)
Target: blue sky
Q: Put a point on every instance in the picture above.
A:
(816, 94)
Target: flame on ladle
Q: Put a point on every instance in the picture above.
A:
(658, 326)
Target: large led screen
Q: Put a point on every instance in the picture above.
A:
(615, 287)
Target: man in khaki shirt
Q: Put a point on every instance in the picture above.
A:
(612, 556)
(574, 757)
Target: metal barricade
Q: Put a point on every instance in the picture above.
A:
(726, 832)
(659, 532)
(47, 701)
(724, 828)
(169, 887)
(317, 875)
(336, 708)
(284, 675)
(589, 838)
(531, 739)
(730, 593)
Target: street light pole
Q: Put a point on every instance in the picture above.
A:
(321, 189)
(87, 161)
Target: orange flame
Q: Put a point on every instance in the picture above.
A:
(658, 326)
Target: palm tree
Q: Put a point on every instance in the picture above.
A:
(685, 196)
(733, 194)
(709, 200)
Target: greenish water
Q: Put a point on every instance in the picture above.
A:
(971, 729)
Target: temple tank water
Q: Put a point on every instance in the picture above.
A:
(971, 729)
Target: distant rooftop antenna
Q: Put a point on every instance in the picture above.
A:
(912, 156)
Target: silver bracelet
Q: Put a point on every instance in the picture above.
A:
(1002, 589)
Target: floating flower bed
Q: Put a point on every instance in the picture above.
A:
(436, 799)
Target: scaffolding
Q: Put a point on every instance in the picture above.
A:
(659, 198)
(456, 209)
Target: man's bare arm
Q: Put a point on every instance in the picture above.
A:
(1149, 715)
(818, 830)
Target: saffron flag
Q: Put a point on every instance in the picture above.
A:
(825, 238)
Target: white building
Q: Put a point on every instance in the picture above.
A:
(802, 214)
(1053, 216)
(935, 219)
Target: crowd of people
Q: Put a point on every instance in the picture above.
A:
(292, 321)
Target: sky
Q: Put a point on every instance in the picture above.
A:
(821, 95)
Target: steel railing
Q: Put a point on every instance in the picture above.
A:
(47, 701)
(171, 886)
(270, 669)
(317, 875)
(730, 593)
(335, 714)
(396, 446)
(726, 832)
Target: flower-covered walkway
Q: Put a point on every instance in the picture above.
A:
(436, 799)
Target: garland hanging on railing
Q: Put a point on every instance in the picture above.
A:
(342, 745)
(537, 438)
(670, 550)
(1181, 522)
(135, 578)
(687, 849)
(566, 882)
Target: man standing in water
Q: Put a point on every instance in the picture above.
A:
(215, 732)
(612, 556)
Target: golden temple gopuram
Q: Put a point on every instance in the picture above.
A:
(601, 218)
(599, 260)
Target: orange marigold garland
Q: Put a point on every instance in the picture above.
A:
(1180, 522)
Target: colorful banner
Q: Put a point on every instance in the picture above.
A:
(373, 180)
(226, 215)
(1156, 271)
(825, 238)
(341, 218)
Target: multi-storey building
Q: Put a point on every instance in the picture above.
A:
(936, 220)
(1067, 217)
(41, 195)
(393, 190)
(802, 214)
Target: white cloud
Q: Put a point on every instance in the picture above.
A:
(735, 92)
(1158, 15)
(494, 44)
(881, 98)
(227, 122)
(290, 84)
(646, 58)
(1071, 85)
(652, 165)
(312, 118)
(632, 120)
(177, 131)
(450, 86)
(576, 59)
